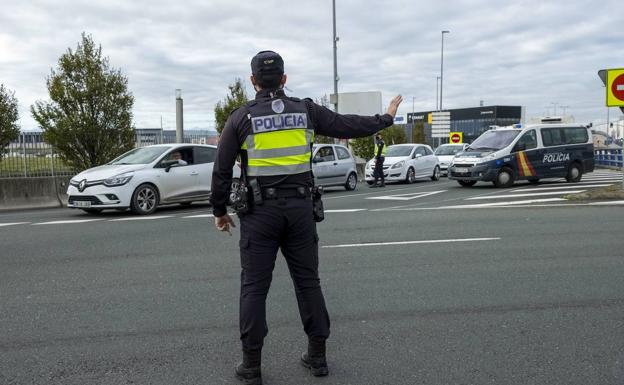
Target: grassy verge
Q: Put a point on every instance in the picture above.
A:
(613, 192)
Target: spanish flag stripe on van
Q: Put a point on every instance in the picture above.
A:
(524, 166)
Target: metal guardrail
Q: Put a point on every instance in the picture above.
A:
(608, 157)
(30, 156)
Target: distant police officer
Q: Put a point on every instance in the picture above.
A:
(380, 153)
(274, 134)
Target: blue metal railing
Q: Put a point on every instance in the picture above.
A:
(608, 157)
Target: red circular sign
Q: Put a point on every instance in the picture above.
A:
(455, 138)
(617, 87)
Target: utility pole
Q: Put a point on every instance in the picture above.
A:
(179, 117)
(335, 57)
(442, 67)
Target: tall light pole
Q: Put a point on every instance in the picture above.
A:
(335, 57)
(179, 117)
(442, 67)
(437, 86)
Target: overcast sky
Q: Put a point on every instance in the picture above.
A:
(529, 53)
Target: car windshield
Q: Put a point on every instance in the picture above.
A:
(142, 155)
(494, 140)
(399, 150)
(448, 150)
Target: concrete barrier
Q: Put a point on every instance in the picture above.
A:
(25, 193)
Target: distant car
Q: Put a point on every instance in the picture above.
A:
(146, 177)
(445, 154)
(333, 165)
(406, 162)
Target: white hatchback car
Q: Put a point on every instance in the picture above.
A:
(406, 162)
(146, 177)
(446, 153)
(333, 165)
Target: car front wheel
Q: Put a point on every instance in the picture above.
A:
(505, 178)
(410, 177)
(144, 199)
(436, 174)
(351, 182)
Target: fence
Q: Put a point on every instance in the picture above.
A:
(30, 156)
(608, 157)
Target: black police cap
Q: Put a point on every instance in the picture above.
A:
(267, 63)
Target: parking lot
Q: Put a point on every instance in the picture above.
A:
(428, 283)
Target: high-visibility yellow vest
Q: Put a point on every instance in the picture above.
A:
(281, 138)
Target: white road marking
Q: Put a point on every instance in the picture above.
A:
(143, 218)
(407, 197)
(200, 216)
(527, 195)
(67, 222)
(410, 242)
(558, 187)
(606, 203)
(13, 224)
(345, 211)
(483, 205)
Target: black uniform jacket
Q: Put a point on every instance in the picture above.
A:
(238, 126)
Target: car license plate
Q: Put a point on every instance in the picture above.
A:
(82, 204)
(461, 169)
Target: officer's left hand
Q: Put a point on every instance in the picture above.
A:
(394, 105)
(223, 223)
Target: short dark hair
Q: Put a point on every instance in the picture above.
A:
(269, 81)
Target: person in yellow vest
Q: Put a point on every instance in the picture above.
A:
(273, 134)
(380, 156)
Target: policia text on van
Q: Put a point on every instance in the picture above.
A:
(504, 155)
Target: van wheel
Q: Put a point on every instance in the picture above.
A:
(410, 177)
(505, 178)
(436, 174)
(533, 180)
(144, 199)
(467, 183)
(351, 182)
(574, 173)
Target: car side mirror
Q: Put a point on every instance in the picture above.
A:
(418, 155)
(167, 164)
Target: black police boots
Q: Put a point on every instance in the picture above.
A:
(248, 371)
(315, 359)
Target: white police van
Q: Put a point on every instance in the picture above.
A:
(503, 155)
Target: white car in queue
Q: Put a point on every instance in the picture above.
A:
(146, 177)
(446, 153)
(333, 165)
(406, 163)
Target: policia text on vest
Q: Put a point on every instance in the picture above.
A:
(273, 136)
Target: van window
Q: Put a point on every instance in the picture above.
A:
(342, 153)
(529, 139)
(552, 137)
(575, 135)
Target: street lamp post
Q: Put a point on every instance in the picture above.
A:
(437, 86)
(442, 67)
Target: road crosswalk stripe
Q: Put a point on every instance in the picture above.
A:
(345, 210)
(525, 189)
(200, 216)
(410, 242)
(511, 196)
(143, 218)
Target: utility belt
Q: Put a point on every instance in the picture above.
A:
(250, 193)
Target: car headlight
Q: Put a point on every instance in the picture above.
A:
(119, 180)
(398, 164)
(486, 158)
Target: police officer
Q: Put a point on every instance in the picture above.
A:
(378, 173)
(274, 134)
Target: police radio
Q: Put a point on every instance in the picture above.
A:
(317, 204)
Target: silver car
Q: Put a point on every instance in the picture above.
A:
(333, 165)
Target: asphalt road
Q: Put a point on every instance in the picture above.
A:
(428, 283)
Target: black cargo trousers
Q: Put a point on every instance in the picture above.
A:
(286, 224)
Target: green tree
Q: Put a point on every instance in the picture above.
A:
(9, 129)
(89, 118)
(365, 147)
(418, 133)
(235, 99)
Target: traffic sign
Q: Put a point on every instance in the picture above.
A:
(615, 87)
(456, 137)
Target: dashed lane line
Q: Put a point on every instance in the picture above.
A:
(345, 210)
(199, 216)
(13, 224)
(511, 204)
(409, 242)
(143, 218)
(72, 221)
(557, 187)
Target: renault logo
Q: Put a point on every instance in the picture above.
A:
(82, 185)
